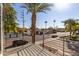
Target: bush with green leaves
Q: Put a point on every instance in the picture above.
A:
(74, 37)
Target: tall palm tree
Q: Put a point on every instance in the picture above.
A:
(45, 24)
(54, 23)
(35, 8)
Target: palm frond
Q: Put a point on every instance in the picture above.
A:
(37, 7)
(44, 7)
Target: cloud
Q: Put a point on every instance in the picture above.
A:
(62, 7)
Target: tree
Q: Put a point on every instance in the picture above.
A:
(35, 8)
(75, 27)
(69, 25)
(9, 18)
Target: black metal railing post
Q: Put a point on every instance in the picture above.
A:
(63, 46)
(43, 40)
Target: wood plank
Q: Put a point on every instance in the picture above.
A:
(23, 53)
(27, 54)
(28, 51)
(34, 50)
(31, 51)
(41, 52)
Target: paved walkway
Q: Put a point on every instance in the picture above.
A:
(57, 44)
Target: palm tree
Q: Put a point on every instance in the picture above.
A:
(54, 23)
(75, 27)
(35, 8)
(45, 24)
(69, 25)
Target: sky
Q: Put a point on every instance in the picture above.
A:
(59, 12)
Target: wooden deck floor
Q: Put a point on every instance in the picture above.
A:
(34, 50)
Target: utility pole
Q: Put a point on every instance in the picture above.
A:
(23, 23)
(44, 32)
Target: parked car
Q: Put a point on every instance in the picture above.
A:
(54, 36)
(54, 31)
(39, 32)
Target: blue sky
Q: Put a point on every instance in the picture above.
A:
(59, 12)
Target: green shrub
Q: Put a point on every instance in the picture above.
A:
(74, 37)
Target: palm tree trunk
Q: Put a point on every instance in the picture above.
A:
(33, 26)
(70, 32)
